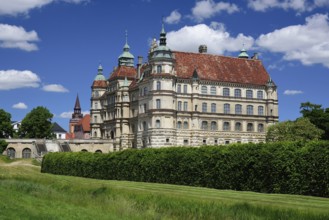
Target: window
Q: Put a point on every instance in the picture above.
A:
(95, 119)
(213, 126)
(185, 142)
(185, 88)
(204, 107)
(157, 124)
(204, 90)
(158, 85)
(238, 126)
(249, 94)
(213, 90)
(250, 110)
(145, 90)
(260, 110)
(158, 103)
(144, 126)
(213, 107)
(96, 93)
(179, 125)
(260, 128)
(204, 125)
(226, 92)
(185, 125)
(179, 106)
(11, 153)
(250, 127)
(226, 108)
(96, 105)
(179, 88)
(145, 107)
(159, 69)
(260, 95)
(238, 109)
(26, 153)
(226, 126)
(237, 93)
(185, 106)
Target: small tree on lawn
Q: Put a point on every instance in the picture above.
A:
(6, 130)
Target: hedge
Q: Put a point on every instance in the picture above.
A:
(291, 168)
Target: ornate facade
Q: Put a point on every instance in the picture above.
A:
(182, 98)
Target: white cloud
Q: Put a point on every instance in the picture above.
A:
(297, 5)
(308, 43)
(15, 79)
(217, 39)
(292, 92)
(17, 37)
(20, 105)
(54, 88)
(69, 114)
(208, 8)
(173, 18)
(16, 7)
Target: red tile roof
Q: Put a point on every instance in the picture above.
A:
(221, 68)
(124, 71)
(85, 122)
(99, 84)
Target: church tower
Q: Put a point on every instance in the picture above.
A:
(76, 116)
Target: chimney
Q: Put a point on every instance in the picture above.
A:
(139, 65)
(255, 56)
(203, 48)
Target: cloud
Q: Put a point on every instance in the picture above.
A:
(308, 43)
(16, 7)
(54, 88)
(173, 18)
(17, 37)
(15, 79)
(69, 114)
(208, 8)
(20, 105)
(297, 5)
(292, 92)
(217, 39)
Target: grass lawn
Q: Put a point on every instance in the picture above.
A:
(25, 193)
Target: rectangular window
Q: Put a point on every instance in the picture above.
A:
(226, 92)
(213, 107)
(158, 103)
(145, 108)
(260, 110)
(179, 88)
(185, 125)
(158, 85)
(185, 88)
(204, 90)
(260, 95)
(238, 109)
(226, 108)
(213, 90)
(179, 106)
(249, 94)
(185, 106)
(237, 93)
(250, 110)
(204, 107)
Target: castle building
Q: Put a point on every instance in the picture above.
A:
(181, 98)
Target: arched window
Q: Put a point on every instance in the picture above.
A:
(26, 153)
(213, 107)
(204, 90)
(204, 107)
(260, 110)
(159, 69)
(260, 128)
(11, 153)
(238, 109)
(249, 94)
(250, 110)
(185, 125)
(250, 127)
(226, 92)
(98, 151)
(238, 126)
(213, 90)
(213, 126)
(157, 124)
(226, 108)
(179, 106)
(179, 125)
(158, 85)
(144, 126)
(226, 126)
(260, 95)
(204, 125)
(237, 93)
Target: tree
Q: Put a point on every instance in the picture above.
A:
(37, 124)
(6, 130)
(300, 130)
(318, 116)
(3, 146)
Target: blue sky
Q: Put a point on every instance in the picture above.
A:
(50, 49)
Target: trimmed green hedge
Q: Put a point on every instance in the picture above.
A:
(293, 168)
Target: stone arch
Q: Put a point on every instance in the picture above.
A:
(98, 151)
(11, 153)
(26, 153)
(84, 150)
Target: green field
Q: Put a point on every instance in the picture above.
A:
(25, 193)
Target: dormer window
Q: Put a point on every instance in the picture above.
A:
(159, 69)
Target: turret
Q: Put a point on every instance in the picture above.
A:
(126, 58)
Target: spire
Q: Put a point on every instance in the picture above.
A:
(243, 53)
(77, 103)
(126, 58)
(77, 109)
(163, 34)
(100, 75)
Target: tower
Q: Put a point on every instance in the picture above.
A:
(76, 116)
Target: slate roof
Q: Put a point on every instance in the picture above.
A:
(58, 128)
(220, 68)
